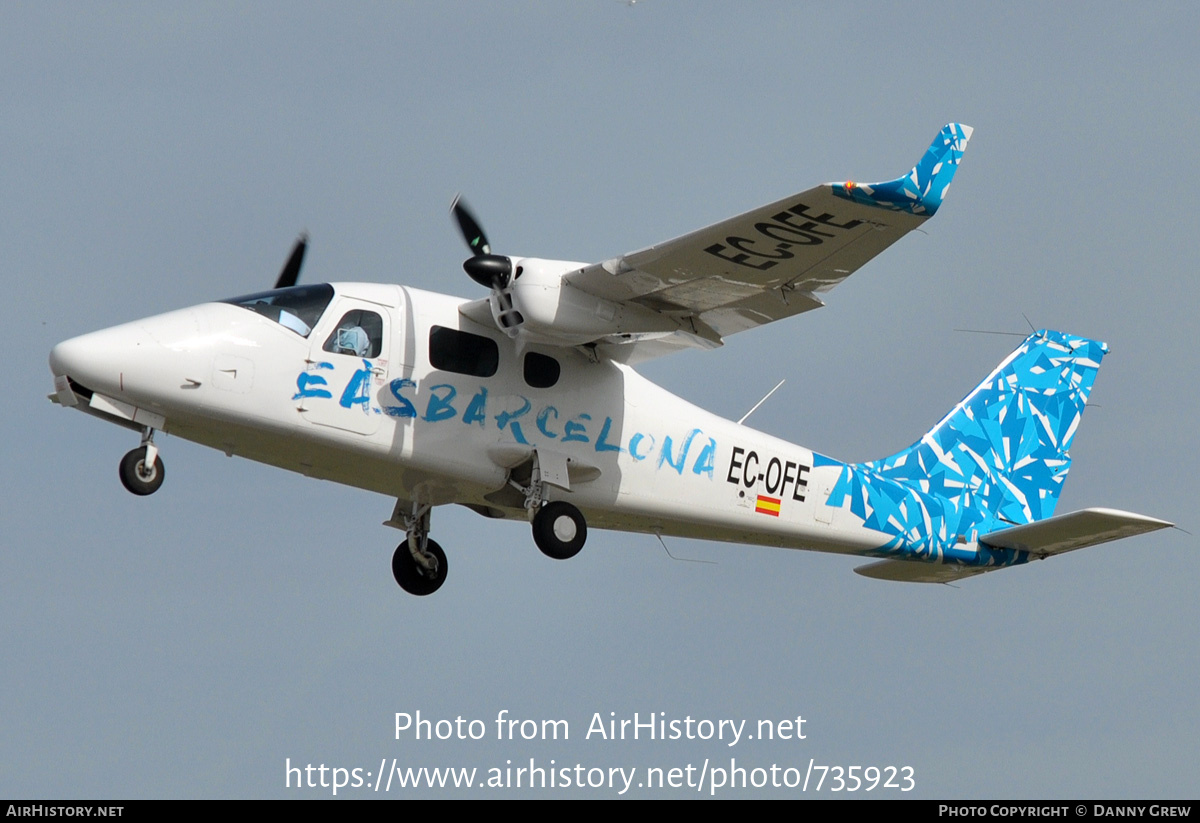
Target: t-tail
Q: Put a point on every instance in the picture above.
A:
(978, 491)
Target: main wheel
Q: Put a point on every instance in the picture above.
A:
(559, 530)
(136, 477)
(414, 578)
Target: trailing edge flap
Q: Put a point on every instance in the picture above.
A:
(920, 571)
(1076, 530)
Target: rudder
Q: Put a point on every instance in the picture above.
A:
(999, 458)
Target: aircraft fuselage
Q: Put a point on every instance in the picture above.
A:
(637, 457)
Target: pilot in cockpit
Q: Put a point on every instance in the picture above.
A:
(351, 339)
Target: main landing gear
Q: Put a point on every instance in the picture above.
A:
(419, 564)
(559, 530)
(141, 470)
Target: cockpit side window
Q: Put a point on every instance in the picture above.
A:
(359, 333)
(462, 352)
(297, 308)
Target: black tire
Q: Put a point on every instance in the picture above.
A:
(134, 476)
(416, 579)
(559, 530)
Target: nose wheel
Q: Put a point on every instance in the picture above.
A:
(416, 578)
(141, 470)
(418, 564)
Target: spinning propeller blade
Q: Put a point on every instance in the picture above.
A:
(491, 270)
(291, 269)
(472, 232)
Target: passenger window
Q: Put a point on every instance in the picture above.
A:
(359, 333)
(541, 371)
(462, 352)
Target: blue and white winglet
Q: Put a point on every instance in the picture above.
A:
(923, 189)
(764, 265)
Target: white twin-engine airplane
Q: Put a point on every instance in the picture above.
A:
(525, 405)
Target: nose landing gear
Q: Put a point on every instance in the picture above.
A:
(141, 470)
(413, 576)
(419, 564)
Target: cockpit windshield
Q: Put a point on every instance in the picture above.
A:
(297, 308)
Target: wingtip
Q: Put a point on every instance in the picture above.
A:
(1143, 521)
(921, 191)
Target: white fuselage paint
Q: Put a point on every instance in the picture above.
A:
(226, 377)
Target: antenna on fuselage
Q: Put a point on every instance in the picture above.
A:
(760, 402)
(658, 534)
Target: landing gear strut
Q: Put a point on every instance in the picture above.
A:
(419, 564)
(142, 471)
(559, 529)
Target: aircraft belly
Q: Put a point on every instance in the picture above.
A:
(681, 521)
(709, 478)
(337, 456)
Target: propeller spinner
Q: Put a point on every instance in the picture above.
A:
(495, 271)
(491, 270)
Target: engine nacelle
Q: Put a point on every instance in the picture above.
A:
(539, 304)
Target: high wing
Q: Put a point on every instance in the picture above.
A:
(769, 263)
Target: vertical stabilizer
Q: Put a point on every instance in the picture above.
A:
(999, 458)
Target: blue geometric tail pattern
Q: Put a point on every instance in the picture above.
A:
(999, 458)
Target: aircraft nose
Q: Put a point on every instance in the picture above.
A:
(145, 363)
(103, 360)
(68, 357)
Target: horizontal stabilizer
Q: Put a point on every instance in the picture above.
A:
(1051, 536)
(1076, 530)
(919, 571)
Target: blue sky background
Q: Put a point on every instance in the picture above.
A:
(154, 156)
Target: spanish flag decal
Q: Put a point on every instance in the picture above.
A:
(767, 505)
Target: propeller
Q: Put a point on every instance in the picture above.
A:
(291, 269)
(491, 270)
